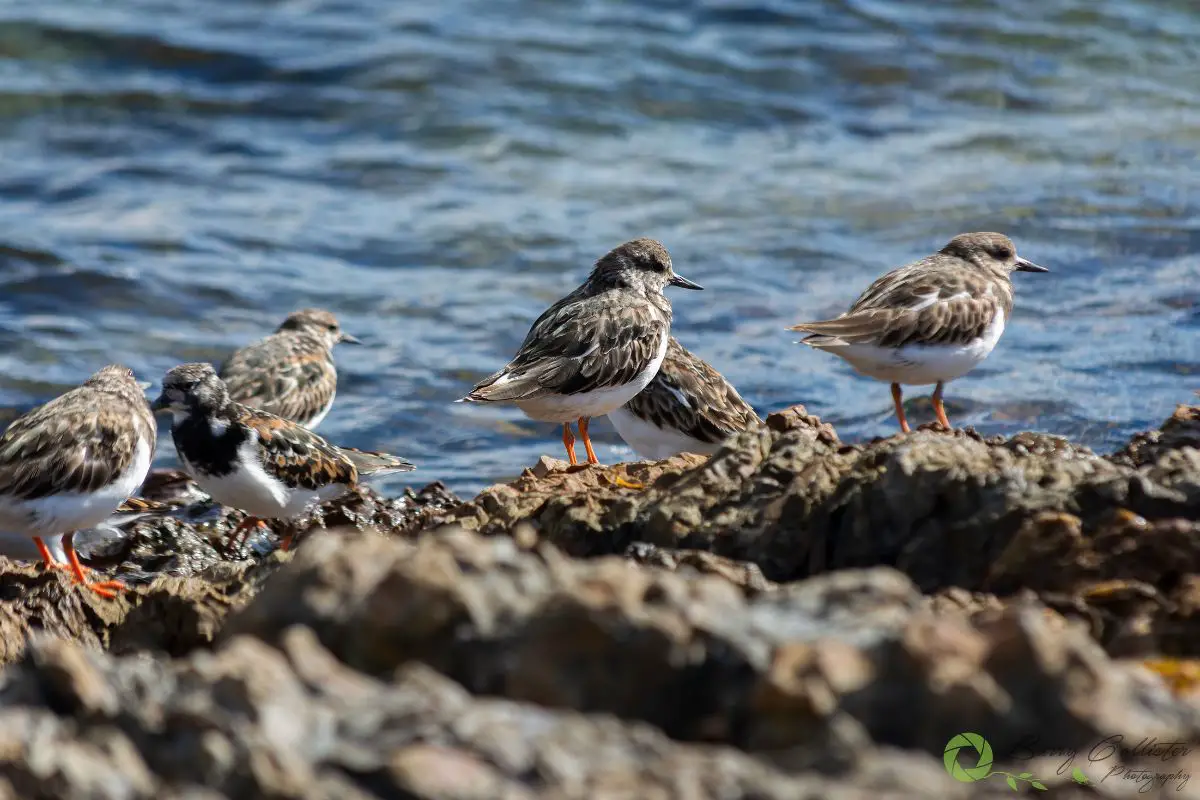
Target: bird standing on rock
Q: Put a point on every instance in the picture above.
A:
(267, 466)
(290, 373)
(688, 407)
(931, 321)
(67, 465)
(592, 351)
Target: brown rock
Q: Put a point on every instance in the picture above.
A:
(252, 721)
(809, 674)
(1181, 430)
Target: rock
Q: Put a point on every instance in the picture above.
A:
(807, 676)
(1181, 430)
(254, 721)
(171, 615)
(948, 509)
(697, 562)
(793, 617)
(581, 509)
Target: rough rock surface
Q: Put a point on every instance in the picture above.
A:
(795, 617)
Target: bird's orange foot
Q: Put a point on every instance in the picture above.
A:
(626, 484)
(239, 535)
(107, 589)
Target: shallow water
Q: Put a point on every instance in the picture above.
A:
(179, 175)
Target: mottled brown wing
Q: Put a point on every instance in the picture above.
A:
(295, 455)
(690, 396)
(79, 442)
(140, 505)
(579, 346)
(291, 377)
(917, 305)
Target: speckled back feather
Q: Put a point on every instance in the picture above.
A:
(690, 396)
(78, 442)
(582, 343)
(290, 373)
(942, 299)
(299, 457)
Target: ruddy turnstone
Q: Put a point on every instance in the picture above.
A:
(68, 465)
(291, 372)
(245, 458)
(592, 351)
(688, 407)
(931, 321)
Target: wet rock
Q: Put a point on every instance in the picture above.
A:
(365, 509)
(1181, 430)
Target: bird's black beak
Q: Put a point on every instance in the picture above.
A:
(160, 404)
(683, 283)
(348, 339)
(1025, 265)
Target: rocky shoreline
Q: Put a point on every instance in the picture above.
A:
(795, 617)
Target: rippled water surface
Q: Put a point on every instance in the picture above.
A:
(177, 176)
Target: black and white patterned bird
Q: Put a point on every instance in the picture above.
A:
(244, 458)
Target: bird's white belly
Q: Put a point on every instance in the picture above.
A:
(569, 407)
(21, 546)
(251, 489)
(312, 423)
(918, 365)
(652, 442)
(72, 511)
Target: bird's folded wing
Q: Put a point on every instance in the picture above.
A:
(929, 318)
(369, 462)
(568, 353)
(57, 448)
(296, 455)
(290, 385)
(692, 397)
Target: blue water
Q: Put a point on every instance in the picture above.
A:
(177, 176)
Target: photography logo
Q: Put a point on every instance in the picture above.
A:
(974, 748)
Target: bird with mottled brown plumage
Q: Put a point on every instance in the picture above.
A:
(928, 322)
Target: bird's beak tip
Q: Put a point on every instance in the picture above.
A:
(347, 338)
(1024, 265)
(684, 283)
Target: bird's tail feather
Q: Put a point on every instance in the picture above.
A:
(371, 463)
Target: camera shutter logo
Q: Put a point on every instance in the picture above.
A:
(983, 757)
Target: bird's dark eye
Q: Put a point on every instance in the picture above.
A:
(1003, 253)
(331, 328)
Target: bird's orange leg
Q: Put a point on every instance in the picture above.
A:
(242, 532)
(898, 399)
(938, 408)
(46, 557)
(569, 443)
(587, 442)
(103, 588)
